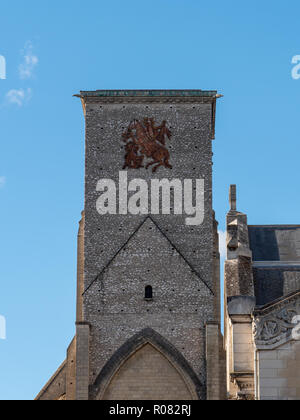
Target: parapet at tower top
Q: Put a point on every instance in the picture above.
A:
(150, 93)
(171, 96)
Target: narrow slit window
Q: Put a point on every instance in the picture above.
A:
(148, 292)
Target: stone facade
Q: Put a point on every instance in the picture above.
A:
(279, 372)
(148, 283)
(147, 375)
(262, 309)
(168, 338)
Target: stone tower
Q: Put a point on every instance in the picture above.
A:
(148, 301)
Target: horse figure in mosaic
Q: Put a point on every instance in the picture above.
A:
(151, 141)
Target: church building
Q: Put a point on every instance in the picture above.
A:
(148, 313)
(262, 309)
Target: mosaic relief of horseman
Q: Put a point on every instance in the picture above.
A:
(132, 159)
(147, 140)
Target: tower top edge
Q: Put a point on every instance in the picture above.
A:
(176, 93)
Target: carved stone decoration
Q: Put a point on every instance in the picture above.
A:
(245, 385)
(273, 325)
(146, 140)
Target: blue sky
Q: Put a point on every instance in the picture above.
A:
(53, 49)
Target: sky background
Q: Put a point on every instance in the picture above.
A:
(53, 49)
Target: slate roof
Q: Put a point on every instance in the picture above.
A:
(275, 243)
(276, 261)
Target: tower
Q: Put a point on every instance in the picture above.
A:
(148, 300)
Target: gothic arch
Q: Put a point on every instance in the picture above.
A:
(132, 346)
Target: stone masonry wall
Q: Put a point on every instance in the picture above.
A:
(191, 154)
(279, 372)
(149, 376)
(125, 253)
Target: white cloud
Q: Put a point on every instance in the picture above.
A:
(2, 181)
(30, 61)
(222, 244)
(2, 328)
(18, 96)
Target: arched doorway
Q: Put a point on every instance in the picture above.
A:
(147, 367)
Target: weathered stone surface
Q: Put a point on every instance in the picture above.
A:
(240, 305)
(55, 389)
(120, 255)
(126, 253)
(190, 150)
(181, 303)
(240, 302)
(279, 372)
(238, 277)
(215, 362)
(148, 375)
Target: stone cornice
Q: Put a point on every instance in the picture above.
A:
(149, 96)
(155, 93)
(147, 100)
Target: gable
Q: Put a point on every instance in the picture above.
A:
(149, 259)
